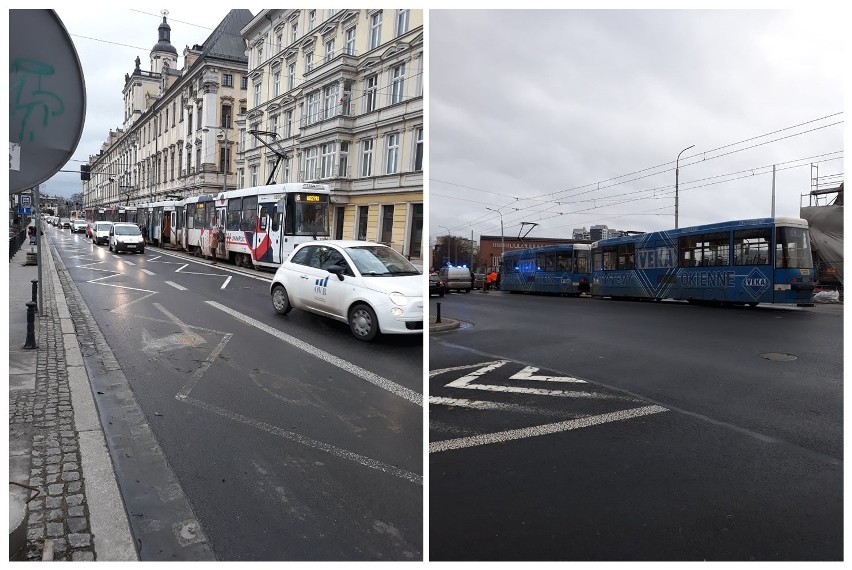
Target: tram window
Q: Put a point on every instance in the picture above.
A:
(626, 255)
(581, 262)
(539, 261)
(249, 214)
(597, 261)
(264, 212)
(275, 222)
(717, 250)
(792, 248)
(190, 216)
(751, 247)
(563, 261)
(610, 255)
(550, 261)
(690, 251)
(234, 215)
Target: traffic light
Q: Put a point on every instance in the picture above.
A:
(84, 172)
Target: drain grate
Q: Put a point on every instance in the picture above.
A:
(779, 356)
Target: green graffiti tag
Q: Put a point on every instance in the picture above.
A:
(27, 98)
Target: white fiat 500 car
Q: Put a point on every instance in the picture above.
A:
(126, 236)
(367, 285)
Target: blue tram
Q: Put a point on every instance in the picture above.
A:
(553, 269)
(756, 261)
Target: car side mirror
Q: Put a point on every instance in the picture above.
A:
(337, 270)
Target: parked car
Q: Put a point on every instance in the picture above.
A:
(436, 285)
(100, 232)
(458, 278)
(127, 237)
(478, 280)
(78, 226)
(367, 285)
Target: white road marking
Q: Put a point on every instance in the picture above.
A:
(176, 286)
(184, 266)
(527, 374)
(467, 382)
(345, 365)
(147, 271)
(454, 368)
(129, 262)
(546, 429)
(313, 443)
(225, 284)
(499, 407)
(97, 282)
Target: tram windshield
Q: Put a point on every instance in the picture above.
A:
(793, 248)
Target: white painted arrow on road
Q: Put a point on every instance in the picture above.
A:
(527, 374)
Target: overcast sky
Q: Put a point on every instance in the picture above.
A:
(573, 118)
(107, 41)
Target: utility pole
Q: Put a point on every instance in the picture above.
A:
(677, 171)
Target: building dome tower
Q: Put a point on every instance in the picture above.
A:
(163, 53)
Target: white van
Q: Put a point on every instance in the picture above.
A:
(458, 278)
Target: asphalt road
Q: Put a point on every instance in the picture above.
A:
(583, 429)
(290, 439)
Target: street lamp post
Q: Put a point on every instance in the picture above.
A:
(502, 236)
(677, 172)
(450, 235)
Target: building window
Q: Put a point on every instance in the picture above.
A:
(291, 75)
(401, 22)
(387, 225)
(375, 30)
(276, 83)
(312, 19)
(288, 124)
(244, 82)
(339, 216)
(270, 168)
(309, 61)
(198, 159)
(329, 49)
(172, 163)
(418, 150)
(313, 108)
(273, 124)
(224, 159)
(330, 98)
(327, 164)
(253, 175)
(227, 80)
(371, 92)
(286, 162)
(343, 168)
(415, 237)
(350, 41)
(367, 157)
(254, 127)
(257, 94)
(294, 32)
(397, 83)
(311, 163)
(226, 116)
(174, 113)
(392, 164)
(278, 40)
(363, 214)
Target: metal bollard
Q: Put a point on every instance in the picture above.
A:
(35, 293)
(438, 313)
(31, 309)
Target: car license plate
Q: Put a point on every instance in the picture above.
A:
(131, 246)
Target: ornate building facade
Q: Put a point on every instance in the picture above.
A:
(336, 97)
(178, 133)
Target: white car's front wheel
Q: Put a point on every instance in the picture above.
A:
(363, 322)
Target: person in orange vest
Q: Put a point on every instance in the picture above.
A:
(491, 280)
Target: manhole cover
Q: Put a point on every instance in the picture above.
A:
(779, 356)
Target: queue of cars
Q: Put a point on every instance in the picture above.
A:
(369, 286)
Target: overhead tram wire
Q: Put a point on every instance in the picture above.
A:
(665, 190)
(703, 153)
